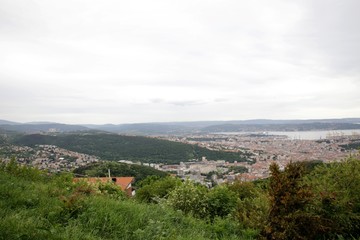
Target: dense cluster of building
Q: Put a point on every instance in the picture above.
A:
(266, 149)
(262, 150)
(48, 157)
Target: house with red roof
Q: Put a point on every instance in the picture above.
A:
(125, 183)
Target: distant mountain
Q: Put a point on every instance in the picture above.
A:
(177, 128)
(145, 128)
(40, 127)
(41, 122)
(8, 122)
(226, 126)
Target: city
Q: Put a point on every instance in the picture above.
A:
(262, 149)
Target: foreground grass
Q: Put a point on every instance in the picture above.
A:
(36, 206)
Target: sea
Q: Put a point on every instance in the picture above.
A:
(303, 135)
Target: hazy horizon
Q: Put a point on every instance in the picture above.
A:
(160, 122)
(92, 62)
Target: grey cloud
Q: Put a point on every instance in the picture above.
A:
(331, 29)
(186, 103)
(157, 100)
(154, 61)
(180, 103)
(219, 100)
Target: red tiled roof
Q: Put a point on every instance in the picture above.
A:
(122, 182)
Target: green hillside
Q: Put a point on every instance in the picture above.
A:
(119, 170)
(34, 205)
(135, 148)
(318, 203)
(321, 201)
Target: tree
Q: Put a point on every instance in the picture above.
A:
(221, 202)
(336, 188)
(253, 205)
(289, 198)
(190, 199)
(152, 189)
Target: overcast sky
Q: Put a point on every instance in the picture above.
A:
(86, 61)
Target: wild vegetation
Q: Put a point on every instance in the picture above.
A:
(302, 201)
(135, 148)
(35, 205)
(139, 172)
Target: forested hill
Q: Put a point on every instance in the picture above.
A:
(135, 148)
(139, 172)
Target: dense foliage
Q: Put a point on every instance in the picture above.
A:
(100, 169)
(350, 146)
(153, 188)
(288, 218)
(323, 204)
(135, 148)
(35, 205)
(224, 201)
(336, 200)
(307, 200)
(302, 201)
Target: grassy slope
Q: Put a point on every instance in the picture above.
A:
(36, 206)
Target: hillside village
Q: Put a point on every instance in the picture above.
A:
(47, 157)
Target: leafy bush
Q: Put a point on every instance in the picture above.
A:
(190, 199)
(152, 188)
(336, 188)
(252, 206)
(220, 202)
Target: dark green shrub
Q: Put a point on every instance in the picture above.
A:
(190, 199)
(336, 188)
(289, 199)
(220, 202)
(152, 190)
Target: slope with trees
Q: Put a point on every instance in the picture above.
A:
(135, 148)
(100, 169)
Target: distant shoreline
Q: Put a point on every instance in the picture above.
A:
(301, 135)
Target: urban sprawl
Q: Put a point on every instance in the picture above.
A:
(261, 149)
